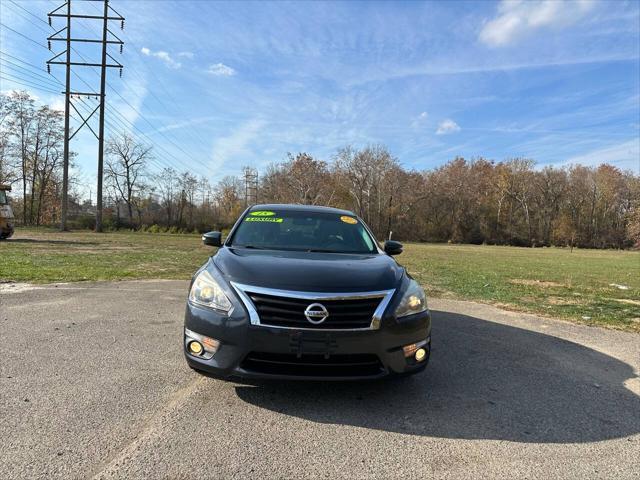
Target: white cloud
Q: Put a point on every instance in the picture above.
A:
(133, 93)
(418, 121)
(188, 55)
(447, 126)
(57, 103)
(162, 55)
(235, 146)
(517, 18)
(220, 69)
(625, 155)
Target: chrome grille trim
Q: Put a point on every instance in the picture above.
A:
(384, 295)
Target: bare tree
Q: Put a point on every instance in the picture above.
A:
(364, 175)
(188, 185)
(125, 167)
(22, 117)
(167, 183)
(6, 168)
(47, 158)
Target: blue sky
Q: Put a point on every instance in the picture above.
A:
(215, 86)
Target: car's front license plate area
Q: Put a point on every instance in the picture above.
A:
(305, 343)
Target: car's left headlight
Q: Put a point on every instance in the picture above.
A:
(206, 291)
(413, 301)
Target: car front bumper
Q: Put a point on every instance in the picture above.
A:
(259, 351)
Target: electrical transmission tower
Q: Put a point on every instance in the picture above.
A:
(250, 186)
(108, 37)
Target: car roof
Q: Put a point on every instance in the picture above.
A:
(300, 208)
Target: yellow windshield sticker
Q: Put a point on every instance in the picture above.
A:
(349, 220)
(263, 219)
(262, 213)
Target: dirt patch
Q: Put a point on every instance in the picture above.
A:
(536, 283)
(16, 287)
(627, 301)
(101, 249)
(562, 301)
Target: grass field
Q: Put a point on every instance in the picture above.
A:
(587, 286)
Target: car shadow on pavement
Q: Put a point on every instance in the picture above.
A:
(485, 381)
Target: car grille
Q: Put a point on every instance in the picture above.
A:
(354, 365)
(288, 312)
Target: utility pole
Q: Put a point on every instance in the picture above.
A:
(103, 78)
(108, 37)
(65, 161)
(250, 186)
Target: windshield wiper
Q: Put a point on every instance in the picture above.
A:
(253, 247)
(320, 250)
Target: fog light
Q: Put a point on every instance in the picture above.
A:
(416, 350)
(210, 344)
(195, 348)
(409, 350)
(199, 345)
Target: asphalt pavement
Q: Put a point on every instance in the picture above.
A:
(93, 384)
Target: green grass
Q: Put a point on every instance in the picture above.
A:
(550, 281)
(44, 256)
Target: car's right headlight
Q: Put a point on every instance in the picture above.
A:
(206, 291)
(413, 301)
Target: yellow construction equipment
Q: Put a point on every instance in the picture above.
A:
(6, 214)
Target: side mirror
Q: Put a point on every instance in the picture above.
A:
(212, 239)
(391, 247)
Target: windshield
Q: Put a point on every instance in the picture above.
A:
(3, 197)
(303, 231)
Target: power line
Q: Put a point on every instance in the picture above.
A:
(108, 14)
(22, 16)
(162, 134)
(116, 124)
(23, 36)
(28, 12)
(21, 76)
(139, 114)
(132, 126)
(22, 61)
(26, 84)
(166, 138)
(196, 137)
(129, 125)
(20, 68)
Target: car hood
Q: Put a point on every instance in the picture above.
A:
(305, 271)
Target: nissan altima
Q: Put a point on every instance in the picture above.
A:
(304, 292)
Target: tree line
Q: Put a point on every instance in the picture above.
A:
(476, 200)
(468, 201)
(31, 154)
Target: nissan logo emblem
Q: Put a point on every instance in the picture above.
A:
(316, 313)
